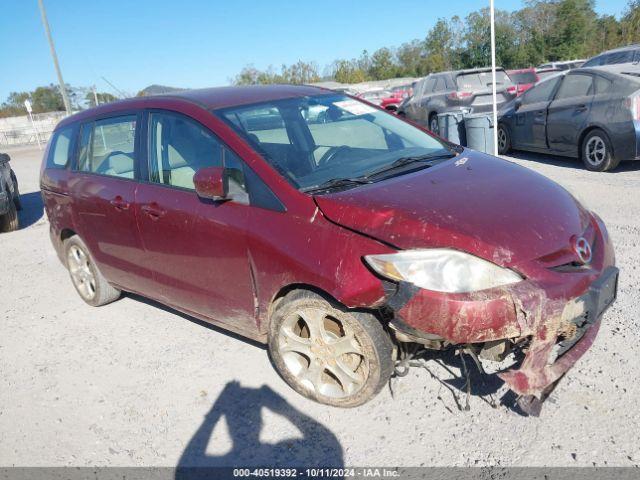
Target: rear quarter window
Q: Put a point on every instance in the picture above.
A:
(60, 151)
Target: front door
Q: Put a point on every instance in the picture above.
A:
(196, 249)
(569, 112)
(531, 116)
(103, 189)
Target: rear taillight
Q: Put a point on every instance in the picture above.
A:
(459, 95)
(633, 102)
(513, 89)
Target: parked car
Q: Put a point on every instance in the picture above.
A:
(524, 79)
(374, 96)
(543, 73)
(589, 113)
(341, 244)
(396, 96)
(628, 54)
(465, 91)
(563, 65)
(9, 196)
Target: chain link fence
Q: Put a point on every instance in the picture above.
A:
(20, 130)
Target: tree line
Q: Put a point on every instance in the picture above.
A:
(49, 99)
(543, 30)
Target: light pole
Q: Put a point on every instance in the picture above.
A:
(63, 89)
(493, 75)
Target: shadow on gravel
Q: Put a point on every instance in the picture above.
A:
(567, 162)
(479, 384)
(241, 408)
(32, 209)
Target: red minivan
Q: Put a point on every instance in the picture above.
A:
(335, 232)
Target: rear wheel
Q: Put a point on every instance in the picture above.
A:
(16, 191)
(597, 153)
(327, 353)
(92, 287)
(504, 140)
(9, 222)
(433, 124)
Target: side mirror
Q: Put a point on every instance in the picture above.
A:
(211, 183)
(517, 104)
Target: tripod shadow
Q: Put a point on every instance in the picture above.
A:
(242, 409)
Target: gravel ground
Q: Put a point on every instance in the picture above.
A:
(134, 383)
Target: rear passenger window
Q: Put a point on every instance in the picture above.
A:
(60, 148)
(602, 84)
(107, 147)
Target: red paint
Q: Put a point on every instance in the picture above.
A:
(226, 261)
(523, 87)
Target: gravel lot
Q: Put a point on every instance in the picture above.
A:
(134, 383)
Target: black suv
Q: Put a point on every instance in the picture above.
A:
(9, 196)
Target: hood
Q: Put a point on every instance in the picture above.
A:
(476, 203)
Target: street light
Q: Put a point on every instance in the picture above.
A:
(493, 75)
(63, 89)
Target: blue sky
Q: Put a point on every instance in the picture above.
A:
(199, 43)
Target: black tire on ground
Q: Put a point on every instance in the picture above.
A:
(97, 291)
(342, 379)
(504, 140)
(16, 191)
(9, 222)
(401, 113)
(433, 123)
(597, 153)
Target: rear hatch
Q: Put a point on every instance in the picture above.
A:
(477, 87)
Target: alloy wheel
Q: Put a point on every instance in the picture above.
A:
(81, 273)
(322, 353)
(595, 151)
(502, 140)
(434, 125)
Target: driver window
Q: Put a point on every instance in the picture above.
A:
(541, 92)
(107, 147)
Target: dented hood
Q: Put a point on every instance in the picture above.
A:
(475, 202)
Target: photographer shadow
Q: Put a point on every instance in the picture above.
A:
(241, 408)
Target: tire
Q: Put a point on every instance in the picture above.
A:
(16, 192)
(596, 152)
(504, 140)
(92, 287)
(303, 333)
(433, 124)
(9, 222)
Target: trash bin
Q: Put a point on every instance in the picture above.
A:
(451, 127)
(479, 127)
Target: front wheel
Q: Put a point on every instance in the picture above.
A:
(327, 353)
(504, 140)
(597, 153)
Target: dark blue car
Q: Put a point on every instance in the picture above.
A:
(588, 113)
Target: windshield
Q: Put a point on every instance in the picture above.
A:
(314, 140)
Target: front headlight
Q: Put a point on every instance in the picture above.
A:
(442, 270)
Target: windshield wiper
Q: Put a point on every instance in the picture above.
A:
(337, 183)
(402, 161)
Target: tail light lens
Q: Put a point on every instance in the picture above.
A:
(633, 103)
(513, 89)
(459, 95)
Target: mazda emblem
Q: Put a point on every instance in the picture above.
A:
(582, 249)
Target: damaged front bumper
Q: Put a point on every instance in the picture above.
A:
(556, 326)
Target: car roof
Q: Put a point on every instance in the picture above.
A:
(208, 98)
(627, 69)
(633, 46)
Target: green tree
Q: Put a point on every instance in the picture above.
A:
(383, 65)
(103, 97)
(345, 71)
(573, 28)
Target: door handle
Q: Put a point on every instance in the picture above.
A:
(581, 108)
(153, 210)
(119, 203)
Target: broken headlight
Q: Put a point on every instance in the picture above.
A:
(442, 270)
